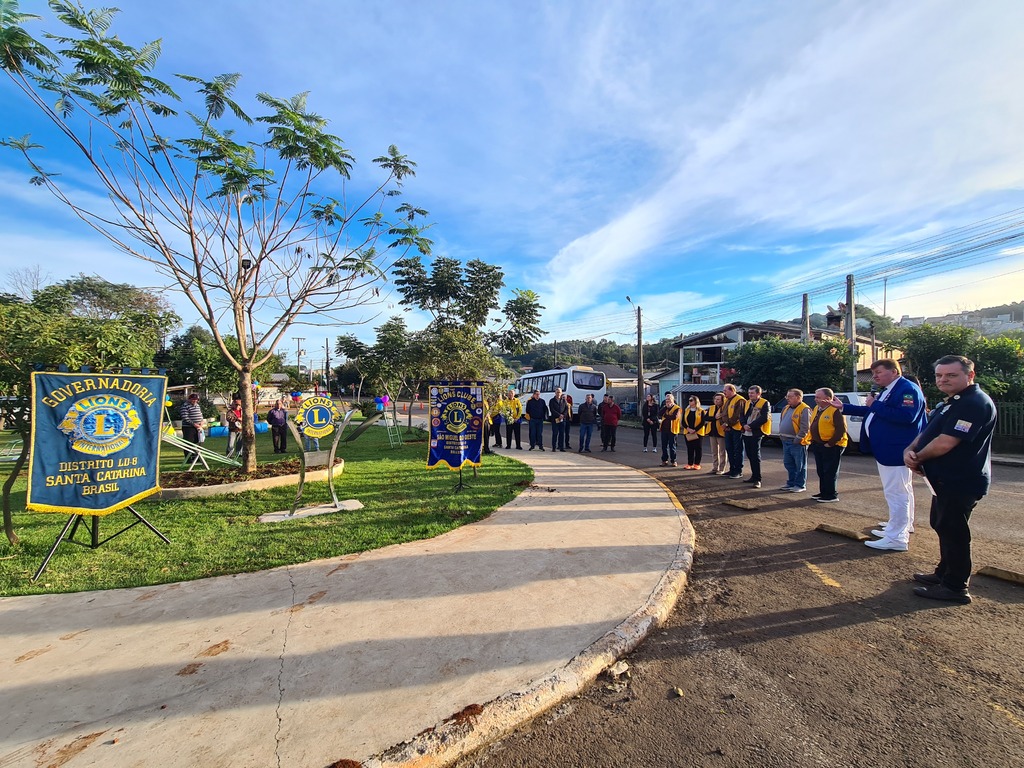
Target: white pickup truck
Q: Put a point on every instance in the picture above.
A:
(853, 423)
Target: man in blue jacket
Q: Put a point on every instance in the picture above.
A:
(894, 416)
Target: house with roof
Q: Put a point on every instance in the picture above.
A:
(702, 366)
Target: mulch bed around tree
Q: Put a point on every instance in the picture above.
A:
(231, 474)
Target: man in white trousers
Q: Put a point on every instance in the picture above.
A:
(894, 418)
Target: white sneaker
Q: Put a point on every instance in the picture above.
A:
(785, 487)
(887, 544)
(798, 490)
(645, 450)
(879, 532)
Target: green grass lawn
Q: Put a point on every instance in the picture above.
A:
(403, 501)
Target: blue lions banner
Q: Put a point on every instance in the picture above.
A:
(456, 425)
(95, 441)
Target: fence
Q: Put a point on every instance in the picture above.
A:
(1009, 434)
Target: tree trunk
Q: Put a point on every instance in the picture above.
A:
(8, 485)
(248, 422)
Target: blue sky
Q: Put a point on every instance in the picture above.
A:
(686, 154)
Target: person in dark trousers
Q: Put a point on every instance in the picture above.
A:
(756, 424)
(588, 418)
(649, 419)
(485, 446)
(536, 413)
(610, 414)
(277, 420)
(731, 417)
(512, 412)
(558, 410)
(670, 416)
(954, 452)
(828, 441)
(191, 421)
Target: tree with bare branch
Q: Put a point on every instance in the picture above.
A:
(240, 214)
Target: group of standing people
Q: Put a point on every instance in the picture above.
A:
(558, 411)
(951, 448)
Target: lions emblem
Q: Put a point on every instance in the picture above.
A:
(100, 424)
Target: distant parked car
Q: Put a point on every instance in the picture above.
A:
(853, 423)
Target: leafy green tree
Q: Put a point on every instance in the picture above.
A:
(776, 365)
(242, 214)
(194, 358)
(461, 298)
(34, 335)
(999, 361)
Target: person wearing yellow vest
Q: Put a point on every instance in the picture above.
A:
(695, 426)
(717, 430)
(512, 412)
(732, 417)
(794, 424)
(671, 419)
(828, 439)
(496, 419)
(757, 423)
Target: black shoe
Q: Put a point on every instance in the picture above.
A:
(927, 578)
(604, 449)
(586, 450)
(942, 592)
(815, 495)
(532, 447)
(613, 449)
(542, 447)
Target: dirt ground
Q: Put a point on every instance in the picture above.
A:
(792, 647)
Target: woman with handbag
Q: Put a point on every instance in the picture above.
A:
(695, 426)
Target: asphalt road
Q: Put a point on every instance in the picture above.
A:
(794, 647)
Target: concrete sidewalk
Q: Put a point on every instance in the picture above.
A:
(413, 653)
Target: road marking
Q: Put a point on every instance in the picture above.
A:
(1009, 715)
(825, 578)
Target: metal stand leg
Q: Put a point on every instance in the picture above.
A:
(94, 534)
(73, 520)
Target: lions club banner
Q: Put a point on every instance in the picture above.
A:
(95, 441)
(456, 425)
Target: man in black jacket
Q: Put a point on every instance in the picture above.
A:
(536, 412)
(558, 407)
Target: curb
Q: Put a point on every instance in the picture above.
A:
(226, 489)
(478, 725)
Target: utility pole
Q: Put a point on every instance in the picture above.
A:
(327, 365)
(805, 320)
(554, 364)
(298, 355)
(851, 328)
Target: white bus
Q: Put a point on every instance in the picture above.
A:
(576, 381)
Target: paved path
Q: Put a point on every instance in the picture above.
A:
(346, 658)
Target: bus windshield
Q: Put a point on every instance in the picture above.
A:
(588, 380)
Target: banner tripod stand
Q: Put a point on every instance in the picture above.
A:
(459, 485)
(94, 538)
